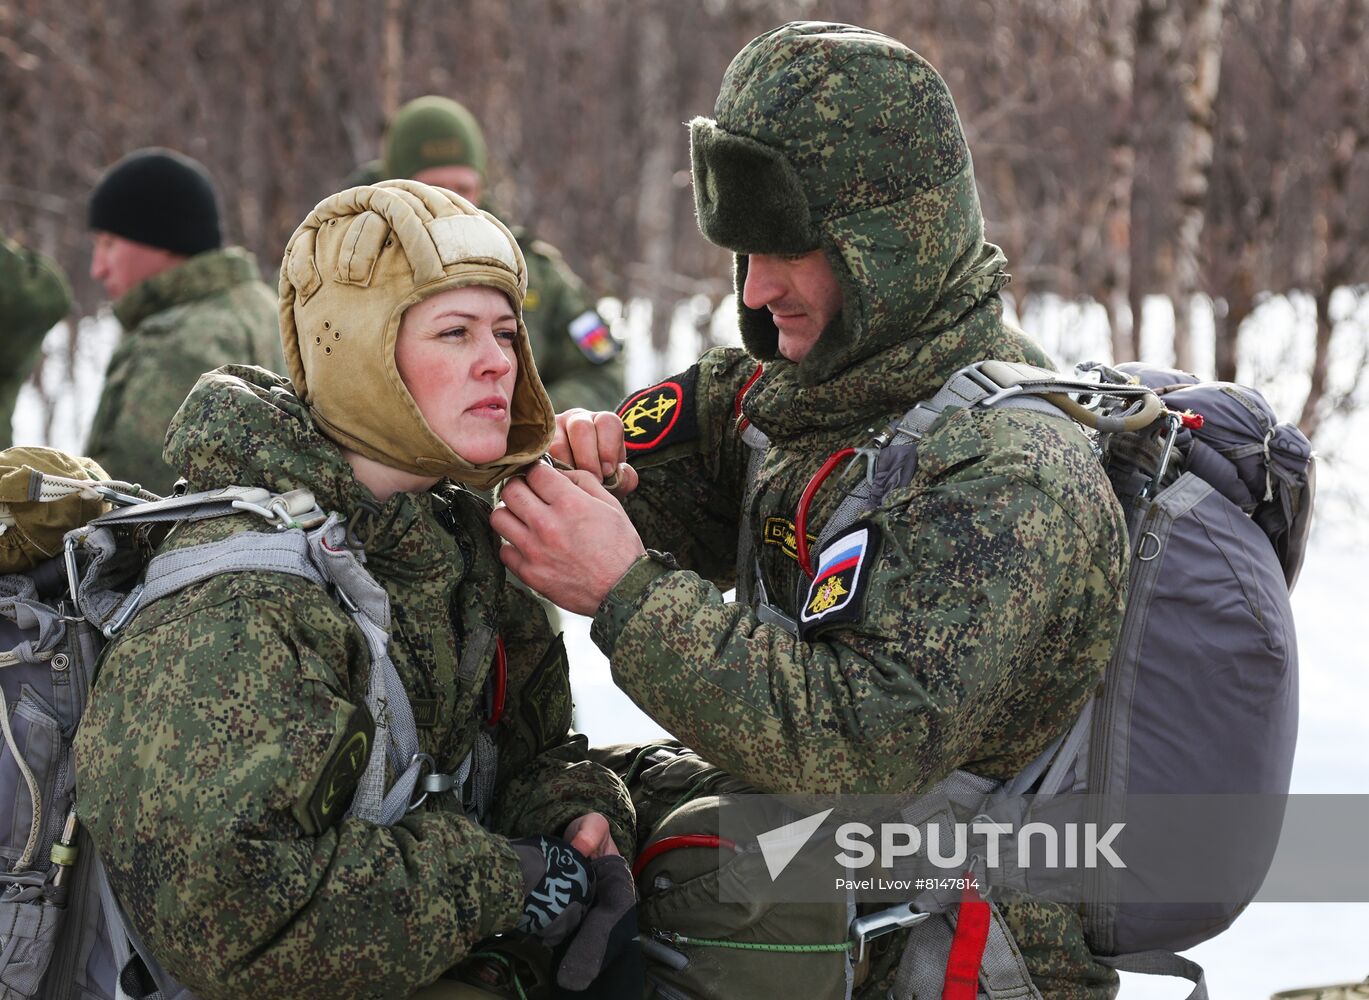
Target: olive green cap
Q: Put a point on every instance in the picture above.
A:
(433, 132)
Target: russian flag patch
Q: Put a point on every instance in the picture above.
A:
(591, 335)
(837, 593)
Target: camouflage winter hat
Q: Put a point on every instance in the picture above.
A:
(361, 258)
(837, 138)
(433, 132)
(31, 528)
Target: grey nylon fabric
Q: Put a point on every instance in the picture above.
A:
(1201, 698)
(1163, 963)
(1264, 467)
(55, 946)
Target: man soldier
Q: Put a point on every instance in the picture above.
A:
(33, 297)
(187, 305)
(437, 141)
(970, 614)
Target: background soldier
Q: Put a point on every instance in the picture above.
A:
(437, 141)
(33, 297)
(186, 303)
(973, 610)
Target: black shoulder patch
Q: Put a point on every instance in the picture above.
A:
(545, 699)
(837, 593)
(336, 785)
(661, 415)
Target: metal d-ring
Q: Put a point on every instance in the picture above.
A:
(1140, 554)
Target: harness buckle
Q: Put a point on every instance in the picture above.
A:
(875, 925)
(433, 783)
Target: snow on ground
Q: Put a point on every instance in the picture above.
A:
(1272, 946)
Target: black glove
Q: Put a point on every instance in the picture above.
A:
(559, 887)
(606, 931)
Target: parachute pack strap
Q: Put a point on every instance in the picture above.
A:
(35, 794)
(748, 569)
(1071, 750)
(1001, 383)
(922, 968)
(260, 551)
(396, 736)
(484, 769)
(1160, 963)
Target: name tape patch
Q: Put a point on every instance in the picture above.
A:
(661, 415)
(837, 593)
(780, 531)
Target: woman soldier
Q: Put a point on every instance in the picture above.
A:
(218, 758)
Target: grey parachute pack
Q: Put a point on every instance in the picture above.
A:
(62, 933)
(1199, 698)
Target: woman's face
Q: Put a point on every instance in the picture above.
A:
(456, 353)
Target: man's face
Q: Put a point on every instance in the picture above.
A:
(801, 292)
(119, 264)
(464, 181)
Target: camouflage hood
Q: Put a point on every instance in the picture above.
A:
(833, 137)
(244, 426)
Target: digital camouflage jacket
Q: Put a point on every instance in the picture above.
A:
(971, 615)
(579, 361)
(210, 757)
(210, 311)
(33, 297)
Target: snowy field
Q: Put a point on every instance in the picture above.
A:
(1271, 947)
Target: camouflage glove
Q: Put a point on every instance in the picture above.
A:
(607, 930)
(559, 885)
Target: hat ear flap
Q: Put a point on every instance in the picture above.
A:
(748, 197)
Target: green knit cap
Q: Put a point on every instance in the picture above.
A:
(433, 132)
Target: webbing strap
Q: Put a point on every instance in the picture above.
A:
(396, 735)
(484, 766)
(749, 581)
(966, 388)
(922, 968)
(262, 551)
(1160, 963)
(967, 949)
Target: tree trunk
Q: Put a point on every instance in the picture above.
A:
(392, 57)
(1194, 166)
(1119, 49)
(1336, 210)
(655, 218)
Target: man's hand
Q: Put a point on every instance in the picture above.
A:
(566, 537)
(591, 835)
(593, 441)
